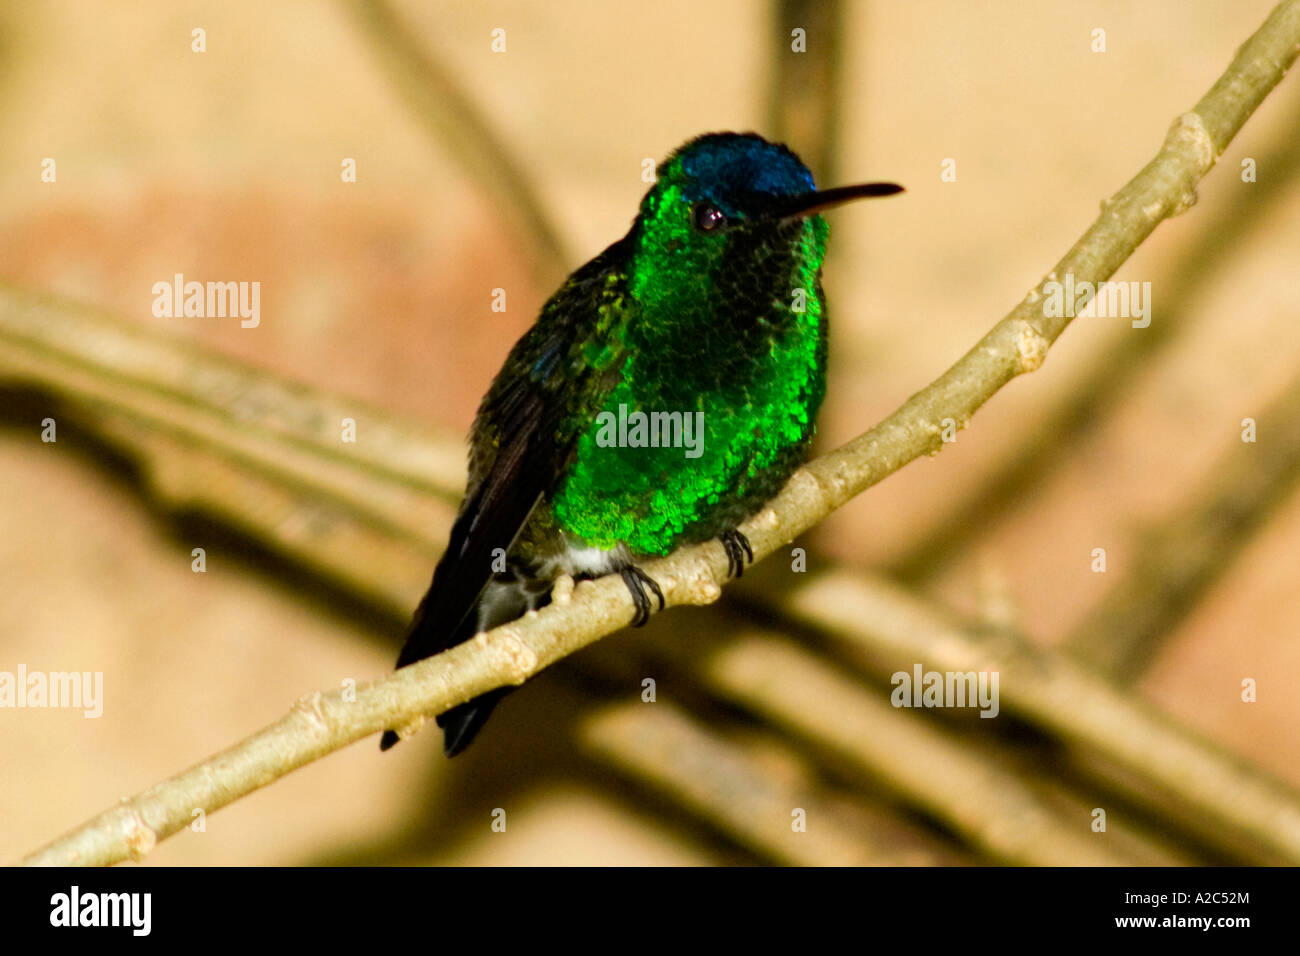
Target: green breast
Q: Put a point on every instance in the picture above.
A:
(727, 386)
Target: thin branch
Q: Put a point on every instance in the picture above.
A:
(1005, 802)
(981, 800)
(1221, 798)
(804, 94)
(1177, 560)
(248, 411)
(259, 453)
(1079, 409)
(446, 111)
(321, 723)
(736, 792)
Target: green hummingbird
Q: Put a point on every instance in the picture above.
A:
(666, 391)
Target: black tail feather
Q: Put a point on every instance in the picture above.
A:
(461, 723)
(426, 638)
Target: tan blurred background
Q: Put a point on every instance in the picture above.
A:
(226, 165)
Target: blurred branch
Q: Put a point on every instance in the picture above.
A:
(445, 111)
(1177, 560)
(1224, 800)
(804, 92)
(644, 748)
(321, 723)
(988, 806)
(1081, 407)
(971, 779)
(263, 455)
(223, 394)
(741, 796)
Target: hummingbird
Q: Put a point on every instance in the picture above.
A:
(666, 391)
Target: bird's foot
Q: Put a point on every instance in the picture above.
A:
(638, 582)
(738, 552)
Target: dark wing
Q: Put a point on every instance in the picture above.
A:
(523, 439)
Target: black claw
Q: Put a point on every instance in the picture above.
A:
(737, 547)
(637, 582)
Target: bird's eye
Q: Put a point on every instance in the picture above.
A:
(708, 217)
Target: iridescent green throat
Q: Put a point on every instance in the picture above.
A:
(735, 330)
